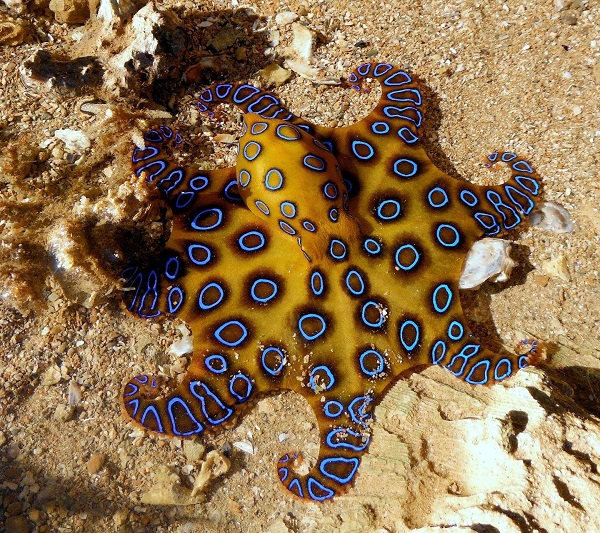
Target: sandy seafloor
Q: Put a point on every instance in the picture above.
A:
(514, 75)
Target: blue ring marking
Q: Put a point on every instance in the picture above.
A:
(515, 195)
(283, 473)
(172, 271)
(206, 96)
(226, 90)
(166, 131)
(328, 373)
(258, 127)
(136, 157)
(392, 95)
(244, 396)
(329, 145)
(322, 145)
(492, 228)
(445, 243)
(380, 128)
(178, 400)
(178, 138)
(363, 69)
(381, 320)
(352, 78)
(522, 166)
(287, 228)
(339, 460)
(330, 190)
(244, 178)
(523, 362)
(381, 68)
(437, 204)
(493, 157)
(371, 246)
(134, 390)
(314, 335)
(174, 305)
(357, 145)
(284, 206)
(272, 101)
(503, 361)
(357, 410)
(449, 295)
(334, 214)
(412, 265)
(153, 136)
(282, 132)
(468, 351)
(204, 212)
(507, 157)
(267, 298)
(317, 290)
(191, 254)
(407, 136)
(393, 216)
(232, 196)
(340, 256)
(392, 111)
(436, 357)
(239, 340)
(496, 200)
(458, 335)
(314, 162)
(240, 99)
(175, 175)
(344, 433)
(262, 207)
(198, 183)
(151, 283)
(522, 181)
(214, 421)
(417, 334)
(276, 370)
(469, 198)
(390, 81)
(256, 247)
(152, 410)
(254, 145)
(408, 174)
(469, 377)
(380, 363)
(142, 380)
(309, 226)
(273, 173)
(207, 307)
(136, 406)
(184, 198)
(221, 362)
(150, 178)
(326, 492)
(295, 485)
(333, 409)
(355, 274)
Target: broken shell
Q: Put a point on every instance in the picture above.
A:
(551, 217)
(74, 396)
(487, 259)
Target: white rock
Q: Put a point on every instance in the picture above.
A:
(75, 140)
(183, 345)
(286, 17)
(487, 259)
(551, 217)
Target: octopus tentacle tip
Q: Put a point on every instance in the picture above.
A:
(326, 261)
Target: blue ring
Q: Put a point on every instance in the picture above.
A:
(508, 372)
(444, 243)
(356, 144)
(318, 333)
(435, 358)
(469, 198)
(443, 202)
(170, 403)
(319, 291)
(331, 195)
(253, 90)
(406, 268)
(153, 410)
(389, 217)
(258, 150)
(262, 125)
(216, 210)
(320, 166)
(484, 362)
(173, 308)
(243, 377)
(252, 248)
(371, 251)
(268, 177)
(336, 460)
(286, 228)
(286, 204)
(208, 363)
(380, 362)
(388, 81)
(332, 254)
(288, 127)
(328, 372)
(262, 207)
(204, 183)
(282, 360)
(461, 330)
(380, 128)
(381, 69)
(233, 344)
(338, 438)
(449, 293)
(170, 261)
(409, 174)
(360, 279)
(334, 214)
(364, 319)
(268, 298)
(184, 198)
(205, 307)
(333, 404)
(407, 136)
(309, 226)
(244, 178)
(413, 345)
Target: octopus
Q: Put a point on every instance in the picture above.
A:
(326, 262)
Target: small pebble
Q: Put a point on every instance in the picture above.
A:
(16, 524)
(64, 413)
(286, 17)
(95, 463)
(193, 450)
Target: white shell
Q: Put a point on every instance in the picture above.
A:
(551, 217)
(487, 259)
